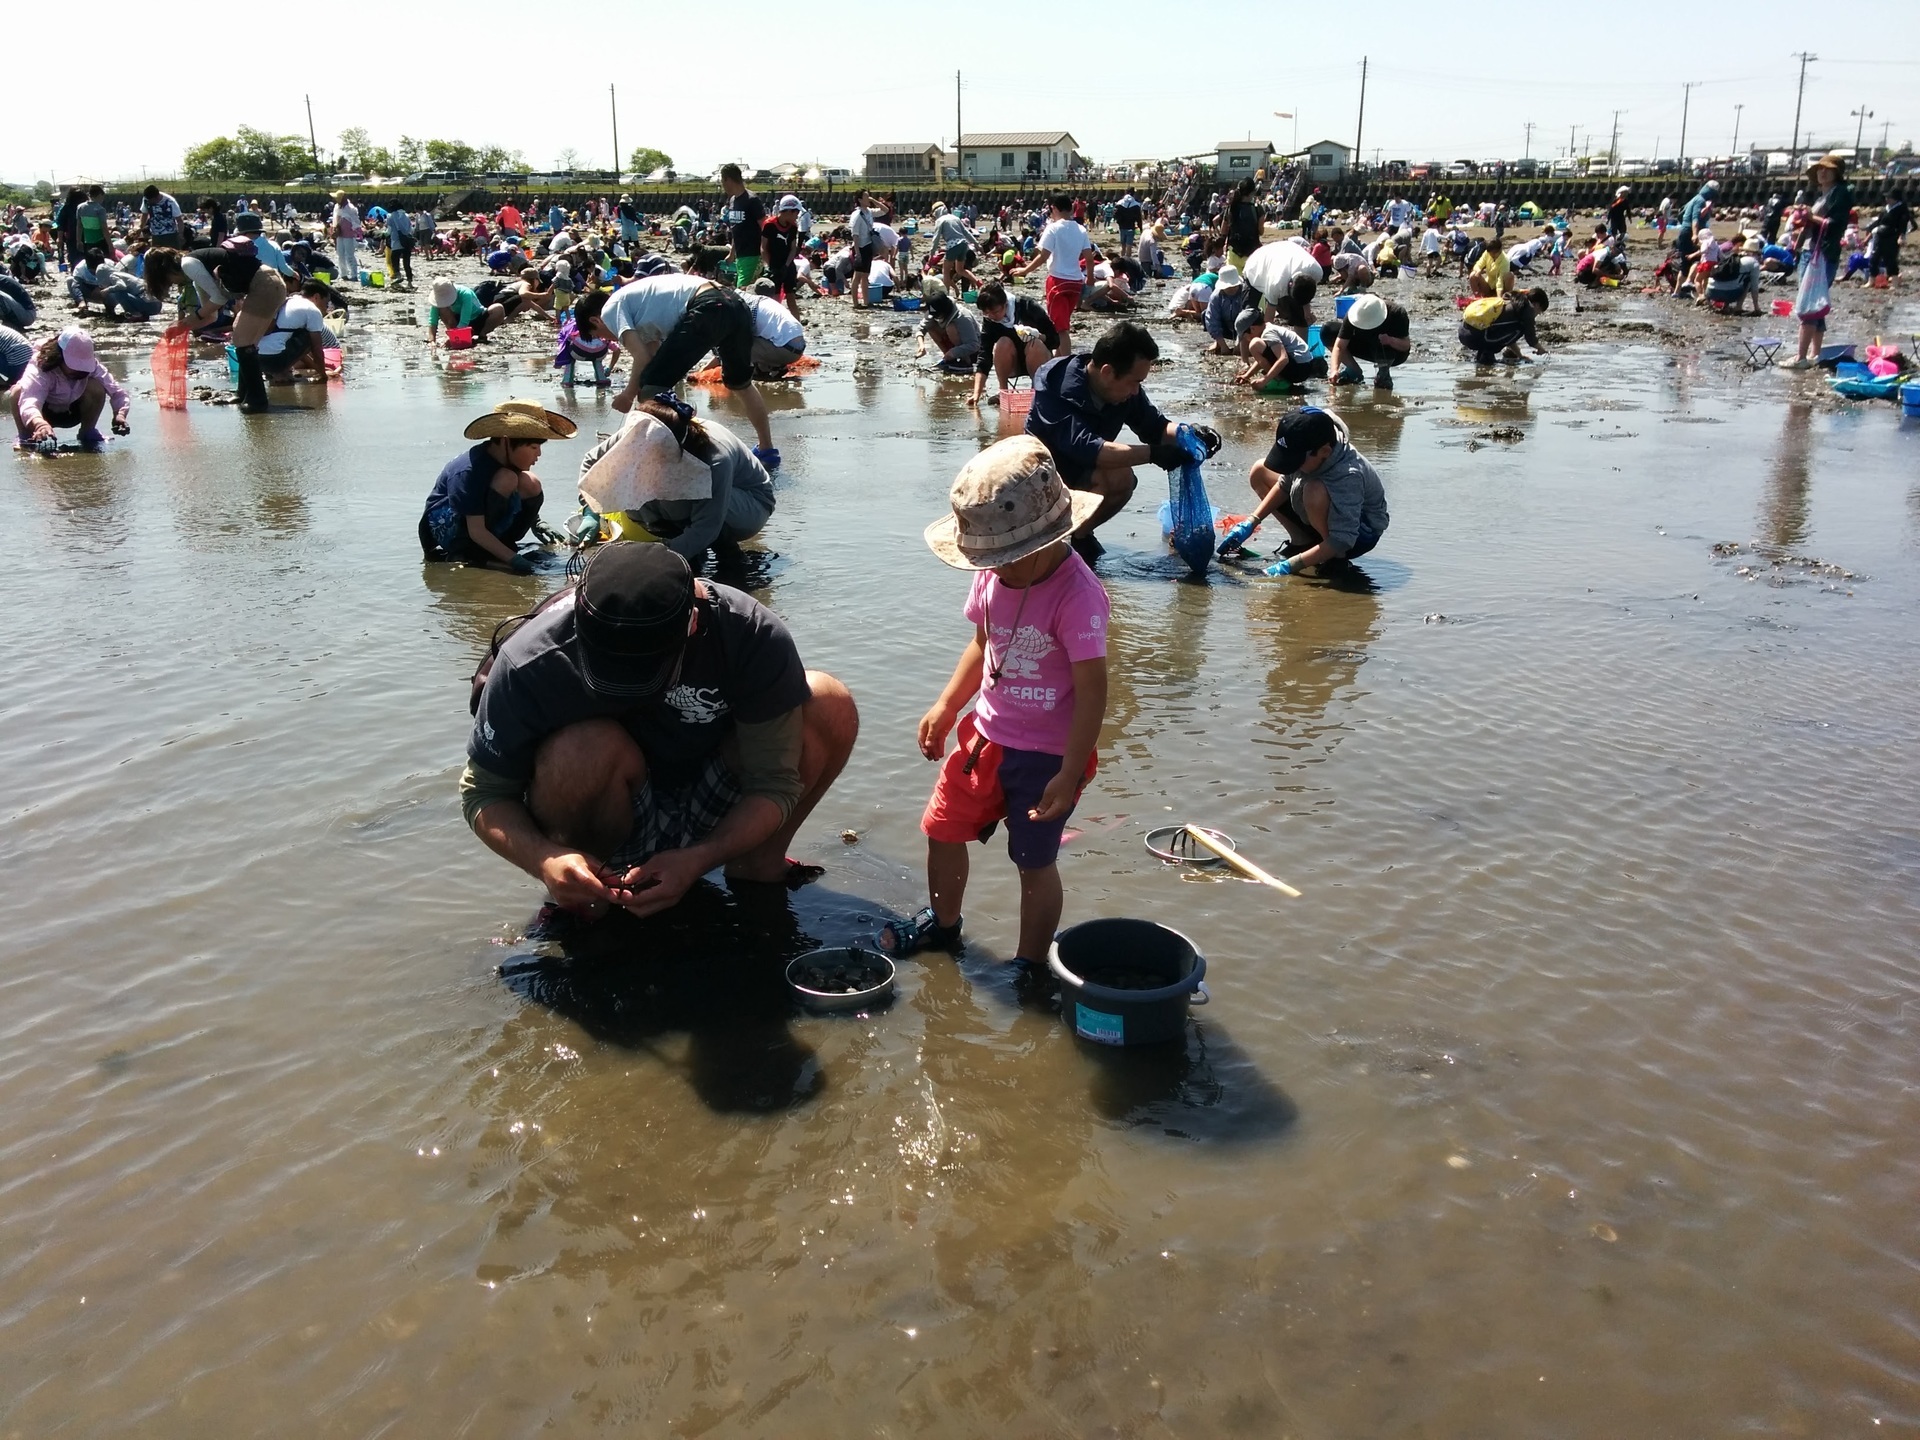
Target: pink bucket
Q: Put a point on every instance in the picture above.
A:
(1014, 404)
(460, 337)
(1783, 307)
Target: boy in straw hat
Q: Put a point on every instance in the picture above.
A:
(1036, 669)
(487, 499)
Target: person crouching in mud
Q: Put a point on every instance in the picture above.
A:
(644, 727)
(1322, 489)
(488, 498)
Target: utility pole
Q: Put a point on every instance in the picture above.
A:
(1863, 115)
(1686, 102)
(1613, 145)
(1794, 154)
(1570, 129)
(956, 125)
(1529, 152)
(1886, 135)
(1736, 130)
(311, 138)
(613, 105)
(1358, 154)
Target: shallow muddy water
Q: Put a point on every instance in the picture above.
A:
(1578, 1096)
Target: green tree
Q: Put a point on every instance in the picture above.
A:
(43, 190)
(449, 155)
(411, 153)
(248, 154)
(496, 157)
(646, 160)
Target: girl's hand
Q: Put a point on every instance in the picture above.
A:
(1057, 799)
(935, 726)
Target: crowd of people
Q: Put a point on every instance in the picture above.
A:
(650, 722)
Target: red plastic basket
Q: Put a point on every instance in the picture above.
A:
(169, 361)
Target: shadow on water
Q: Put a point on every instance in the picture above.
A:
(713, 968)
(1203, 1088)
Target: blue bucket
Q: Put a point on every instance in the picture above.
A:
(233, 364)
(1342, 304)
(1910, 400)
(877, 294)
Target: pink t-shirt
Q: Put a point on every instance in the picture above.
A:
(1062, 619)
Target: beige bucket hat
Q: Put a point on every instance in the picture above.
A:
(1008, 501)
(520, 420)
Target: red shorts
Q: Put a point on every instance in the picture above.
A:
(982, 783)
(1063, 298)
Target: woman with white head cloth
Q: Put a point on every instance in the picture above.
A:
(693, 487)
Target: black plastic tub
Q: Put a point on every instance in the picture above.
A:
(1106, 969)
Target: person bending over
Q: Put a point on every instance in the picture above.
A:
(1016, 338)
(955, 331)
(1496, 332)
(667, 324)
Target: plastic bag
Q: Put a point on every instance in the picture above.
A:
(1815, 280)
(169, 362)
(1190, 511)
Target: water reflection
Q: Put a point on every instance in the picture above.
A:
(471, 603)
(1374, 419)
(1492, 393)
(1783, 505)
(84, 492)
(1316, 635)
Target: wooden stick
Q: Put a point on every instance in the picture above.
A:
(1240, 862)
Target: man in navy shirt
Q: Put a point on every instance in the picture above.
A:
(1080, 403)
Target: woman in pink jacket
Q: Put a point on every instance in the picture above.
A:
(65, 386)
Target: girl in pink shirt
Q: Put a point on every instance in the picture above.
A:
(1036, 670)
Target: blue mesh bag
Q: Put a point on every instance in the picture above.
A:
(1188, 520)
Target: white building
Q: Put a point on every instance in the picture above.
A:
(1236, 160)
(1327, 160)
(1012, 156)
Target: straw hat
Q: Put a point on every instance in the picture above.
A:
(1833, 160)
(338, 196)
(520, 420)
(1008, 502)
(645, 463)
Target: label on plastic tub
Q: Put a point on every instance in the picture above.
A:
(1099, 1026)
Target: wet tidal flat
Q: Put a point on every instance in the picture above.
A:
(1577, 1096)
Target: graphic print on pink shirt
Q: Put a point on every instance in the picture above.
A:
(1061, 620)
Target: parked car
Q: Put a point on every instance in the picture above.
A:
(1523, 169)
(1666, 167)
(1565, 168)
(1395, 169)
(1462, 170)
(351, 178)
(1636, 166)
(839, 177)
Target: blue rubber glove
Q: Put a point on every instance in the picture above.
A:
(1238, 536)
(520, 565)
(1280, 567)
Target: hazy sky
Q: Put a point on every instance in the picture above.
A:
(767, 82)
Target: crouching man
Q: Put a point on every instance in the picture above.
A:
(644, 727)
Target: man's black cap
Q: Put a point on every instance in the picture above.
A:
(630, 618)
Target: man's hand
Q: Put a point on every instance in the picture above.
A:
(1057, 799)
(574, 881)
(661, 882)
(1169, 454)
(120, 426)
(935, 726)
(623, 402)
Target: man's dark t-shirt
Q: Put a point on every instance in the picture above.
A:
(1024, 310)
(1074, 423)
(1243, 227)
(745, 215)
(1366, 343)
(741, 666)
